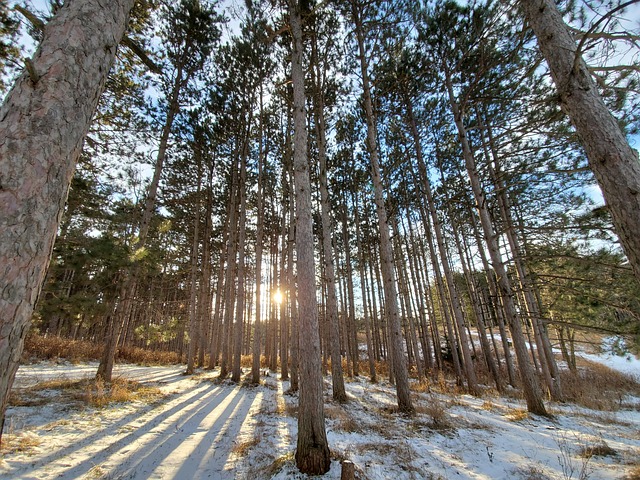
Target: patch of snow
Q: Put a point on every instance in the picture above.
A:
(204, 428)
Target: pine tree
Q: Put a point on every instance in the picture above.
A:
(39, 152)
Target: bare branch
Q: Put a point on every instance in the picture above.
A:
(578, 56)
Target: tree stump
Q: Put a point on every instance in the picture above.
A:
(348, 470)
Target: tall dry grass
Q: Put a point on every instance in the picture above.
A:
(53, 348)
(598, 387)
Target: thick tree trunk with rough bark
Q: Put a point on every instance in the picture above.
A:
(613, 161)
(43, 123)
(312, 453)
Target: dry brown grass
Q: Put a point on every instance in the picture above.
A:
(517, 415)
(246, 361)
(530, 472)
(54, 348)
(343, 420)
(633, 474)
(598, 387)
(240, 449)
(142, 356)
(601, 449)
(423, 386)
(277, 465)
(436, 410)
(87, 391)
(382, 369)
(489, 406)
(19, 443)
(98, 394)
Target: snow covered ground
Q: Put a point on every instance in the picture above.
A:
(206, 429)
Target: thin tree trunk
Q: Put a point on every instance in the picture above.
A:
(399, 360)
(193, 318)
(456, 306)
(131, 277)
(365, 301)
(257, 325)
(240, 297)
(293, 302)
(230, 274)
(531, 389)
(331, 316)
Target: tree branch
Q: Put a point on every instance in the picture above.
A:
(578, 56)
(126, 41)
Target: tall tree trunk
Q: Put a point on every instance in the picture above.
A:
(43, 122)
(240, 297)
(363, 289)
(230, 274)
(204, 306)
(613, 161)
(399, 360)
(337, 378)
(312, 453)
(131, 276)
(547, 361)
(532, 392)
(193, 299)
(293, 302)
(456, 306)
(496, 305)
(426, 219)
(352, 330)
(257, 325)
(282, 306)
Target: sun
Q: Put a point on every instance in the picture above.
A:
(278, 297)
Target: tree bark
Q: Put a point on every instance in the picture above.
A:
(337, 378)
(530, 386)
(193, 297)
(257, 325)
(312, 453)
(43, 122)
(399, 360)
(613, 161)
(131, 275)
(240, 297)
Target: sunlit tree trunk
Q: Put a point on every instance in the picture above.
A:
(363, 290)
(257, 325)
(240, 297)
(230, 274)
(613, 161)
(331, 316)
(293, 302)
(547, 361)
(43, 122)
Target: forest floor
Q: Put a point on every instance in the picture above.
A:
(196, 427)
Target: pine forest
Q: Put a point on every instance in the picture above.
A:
(312, 201)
